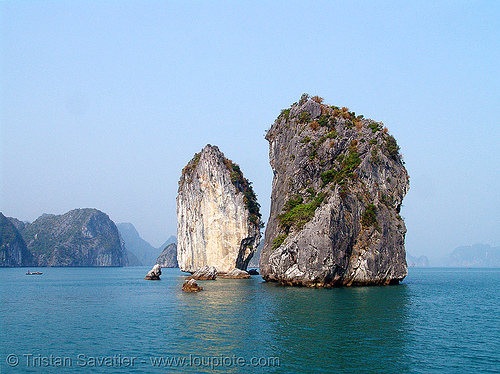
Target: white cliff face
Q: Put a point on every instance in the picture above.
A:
(214, 224)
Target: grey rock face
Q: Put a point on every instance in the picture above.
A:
(81, 237)
(168, 257)
(254, 262)
(20, 225)
(154, 273)
(13, 249)
(204, 273)
(338, 185)
(131, 259)
(218, 218)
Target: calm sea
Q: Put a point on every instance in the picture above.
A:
(111, 320)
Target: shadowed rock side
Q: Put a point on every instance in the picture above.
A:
(81, 237)
(218, 218)
(168, 257)
(131, 259)
(13, 249)
(338, 185)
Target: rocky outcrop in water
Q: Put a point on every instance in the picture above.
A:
(81, 237)
(235, 274)
(154, 273)
(218, 218)
(204, 273)
(190, 285)
(13, 249)
(338, 185)
(419, 262)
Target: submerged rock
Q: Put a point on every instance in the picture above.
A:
(218, 218)
(204, 273)
(190, 285)
(235, 274)
(339, 182)
(154, 273)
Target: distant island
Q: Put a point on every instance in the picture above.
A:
(419, 262)
(474, 256)
(146, 254)
(80, 237)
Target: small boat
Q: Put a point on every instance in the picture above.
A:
(36, 273)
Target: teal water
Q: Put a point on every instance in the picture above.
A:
(111, 320)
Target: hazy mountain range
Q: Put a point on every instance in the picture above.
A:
(477, 255)
(145, 252)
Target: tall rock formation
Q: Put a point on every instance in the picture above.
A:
(338, 185)
(168, 257)
(218, 218)
(13, 249)
(81, 237)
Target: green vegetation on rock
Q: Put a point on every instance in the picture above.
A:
(374, 126)
(369, 217)
(392, 147)
(279, 240)
(245, 186)
(297, 213)
(347, 166)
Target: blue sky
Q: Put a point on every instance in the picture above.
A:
(103, 103)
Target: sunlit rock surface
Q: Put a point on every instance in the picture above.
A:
(218, 218)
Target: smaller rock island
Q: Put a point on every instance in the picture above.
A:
(154, 273)
(190, 285)
(218, 217)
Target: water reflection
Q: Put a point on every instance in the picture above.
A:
(341, 330)
(436, 321)
(327, 330)
(225, 320)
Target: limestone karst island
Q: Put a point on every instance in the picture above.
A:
(218, 218)
(339, 182)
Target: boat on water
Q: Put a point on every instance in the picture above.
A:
(36, 273)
